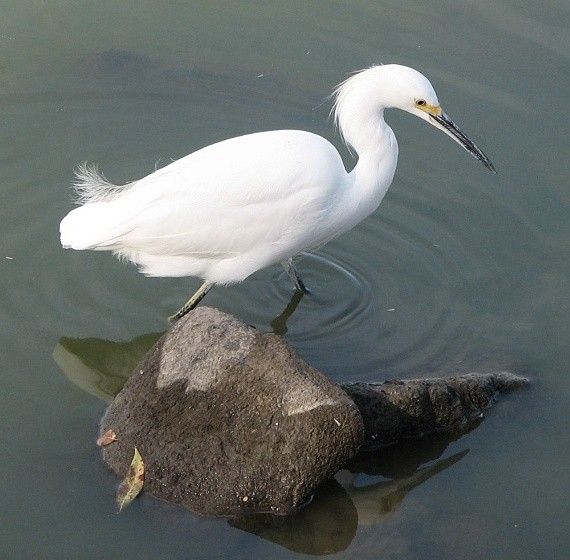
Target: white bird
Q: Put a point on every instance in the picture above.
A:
(243, 204)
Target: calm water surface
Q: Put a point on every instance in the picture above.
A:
(458, 270)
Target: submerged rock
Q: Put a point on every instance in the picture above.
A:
(396, 410)
(230, 421)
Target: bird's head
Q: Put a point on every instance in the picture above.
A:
(401, 87)
(409, 90)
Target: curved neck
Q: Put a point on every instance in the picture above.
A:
(377, 149)
(377, 159)
(360, 119)
(359, 114)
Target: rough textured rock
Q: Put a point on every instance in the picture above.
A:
(396, 410)
(229, 420)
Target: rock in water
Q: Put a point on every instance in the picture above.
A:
(230, 421)
(396, 410)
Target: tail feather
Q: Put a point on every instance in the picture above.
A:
(95, 226)
(92, 186)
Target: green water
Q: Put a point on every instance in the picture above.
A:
(458, 270)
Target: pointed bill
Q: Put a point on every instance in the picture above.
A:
(443, 122)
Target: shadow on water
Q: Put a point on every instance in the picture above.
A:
(329, 522)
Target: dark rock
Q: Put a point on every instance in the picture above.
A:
(396, 410)
(230, 421)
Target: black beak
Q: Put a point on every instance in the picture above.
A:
(448, 126)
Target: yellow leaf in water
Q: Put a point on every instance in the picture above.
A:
(108, 437)
(133, 483)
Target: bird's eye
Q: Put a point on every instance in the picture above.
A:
(421, 102)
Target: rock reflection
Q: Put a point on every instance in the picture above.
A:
(325, 526)
(375, 502)
(329, 523)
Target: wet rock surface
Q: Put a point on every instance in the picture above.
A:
(396, 410)
(230, 421)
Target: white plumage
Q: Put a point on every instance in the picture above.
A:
(235, 207)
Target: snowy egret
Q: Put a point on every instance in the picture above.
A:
(243, 204)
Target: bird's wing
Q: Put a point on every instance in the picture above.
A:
(228, 198)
